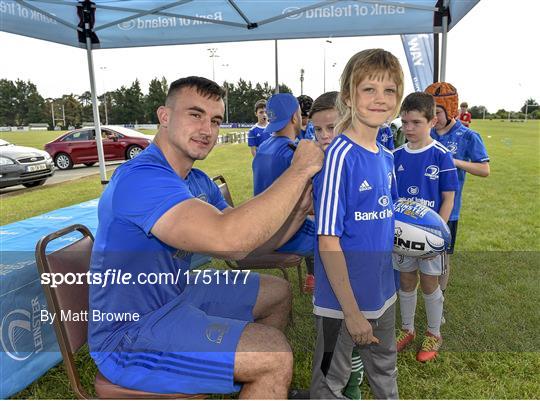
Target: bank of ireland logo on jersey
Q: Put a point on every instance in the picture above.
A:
(432, 172)
(384, 201)
(413, 190)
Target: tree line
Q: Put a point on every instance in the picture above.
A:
(22, 104)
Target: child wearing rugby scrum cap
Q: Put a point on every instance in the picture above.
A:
(467, 148)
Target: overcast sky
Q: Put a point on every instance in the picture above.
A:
(492, 59)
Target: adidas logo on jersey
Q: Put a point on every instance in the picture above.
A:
(365, 186)
(401, 168)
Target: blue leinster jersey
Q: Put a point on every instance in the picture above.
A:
(467, 145)
(353, 196)
(256, 135)
(271, 160)
(423, 174)
(139, 193)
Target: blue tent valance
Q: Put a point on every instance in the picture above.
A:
(131, 23)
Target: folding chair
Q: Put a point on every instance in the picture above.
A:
(72, 336)
(281, 261)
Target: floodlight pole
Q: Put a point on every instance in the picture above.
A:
(324, 64)
(276, 90)
(301, 81)
(52, 114)
(104, 69)
(213, 56)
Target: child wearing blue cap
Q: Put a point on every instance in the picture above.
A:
(274, 156)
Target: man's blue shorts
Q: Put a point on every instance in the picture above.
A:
(303, 241)
(189, 344)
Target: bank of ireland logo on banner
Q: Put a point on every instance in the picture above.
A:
(20, 332)
(127, 25)
(292, 10)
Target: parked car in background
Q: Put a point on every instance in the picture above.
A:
(23, 165)
(79, 146)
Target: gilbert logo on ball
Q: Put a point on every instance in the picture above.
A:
(419, 231)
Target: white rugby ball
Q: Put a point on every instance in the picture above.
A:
(419, 231)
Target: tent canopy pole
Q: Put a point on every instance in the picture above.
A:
(86, 15)
(444, 40)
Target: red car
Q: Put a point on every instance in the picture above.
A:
(79, 146)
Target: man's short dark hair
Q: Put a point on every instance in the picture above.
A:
(326, 101)
(260, 104)
(205, 87)
(421, 102)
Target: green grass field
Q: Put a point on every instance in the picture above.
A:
(491, 336)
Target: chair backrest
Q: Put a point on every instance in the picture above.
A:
(224, 189)
(71, 298)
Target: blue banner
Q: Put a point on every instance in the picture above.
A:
(419, 52)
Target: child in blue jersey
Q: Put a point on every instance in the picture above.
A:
(470, 154)
(323, 118)
(274, 157)
(256, 134)
(355, 289)
(385, 137)
(415, 163)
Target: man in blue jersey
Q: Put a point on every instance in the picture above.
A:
(256, 134)
(385, 137)
(274, 157)
(425, 173)
(355, 289)
(467, 147)
(215, 332)
(306, 132)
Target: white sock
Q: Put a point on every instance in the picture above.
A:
(434, 310)
(407, 303)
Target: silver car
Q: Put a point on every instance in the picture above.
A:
(23, 165)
